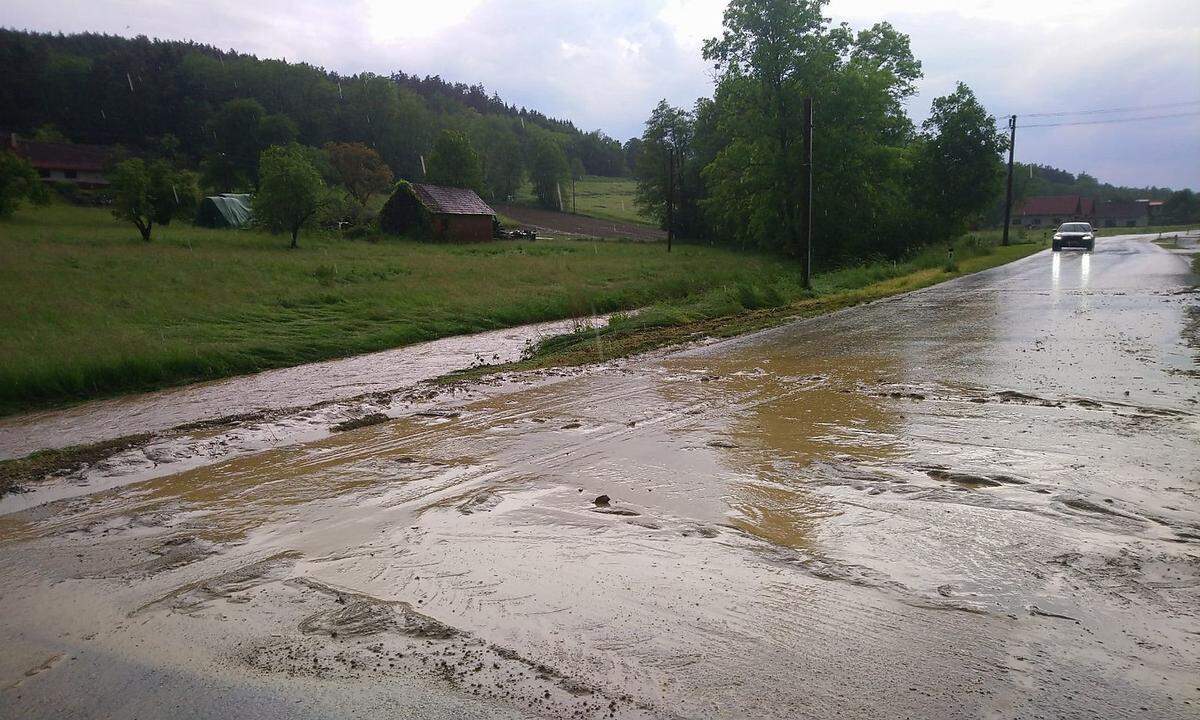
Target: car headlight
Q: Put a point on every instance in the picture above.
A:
(1087, 237)
(1058, 236)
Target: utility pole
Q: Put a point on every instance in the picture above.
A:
(808, 190)
(670, 196)
(1012, 140)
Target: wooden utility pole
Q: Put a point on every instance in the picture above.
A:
(808, 190)
(1012, 141)
(670, 196)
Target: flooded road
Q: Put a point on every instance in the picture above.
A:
(979, 500)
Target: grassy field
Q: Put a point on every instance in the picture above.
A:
(600, 197)
(732, 309)
(88, 309)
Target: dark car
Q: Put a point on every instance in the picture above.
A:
(1074, 234)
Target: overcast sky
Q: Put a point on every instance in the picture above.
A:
(604, 63)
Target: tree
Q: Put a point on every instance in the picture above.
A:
(241, 130)
(772, 43)
(958, 169)
(664, 147)
(18, 181)
(771, 55)
(1181, 208)
(548, 169)
(359, 169)
(149, 194)
(631, 150)
(290, 190)
(454, 162)
(500, 152)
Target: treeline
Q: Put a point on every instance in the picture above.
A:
(219, 110)
(1180, 207)
(882, 185)
(730, 169)
(1033, 179)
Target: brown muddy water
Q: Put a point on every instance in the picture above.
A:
(979, 500)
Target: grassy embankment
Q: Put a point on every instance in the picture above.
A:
(737, 308)
(90, 310)
(599, 197)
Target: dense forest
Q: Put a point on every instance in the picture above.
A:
(205, 107)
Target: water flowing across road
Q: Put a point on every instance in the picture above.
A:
(976, 500)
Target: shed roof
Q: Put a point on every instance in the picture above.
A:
(442, 200)
(63, 156)
(1056, 205)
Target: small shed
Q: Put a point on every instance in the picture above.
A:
(225, 211)
(444, 214)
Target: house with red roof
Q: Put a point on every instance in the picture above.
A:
(1123, 213)
(82, 165)
(1053, 210)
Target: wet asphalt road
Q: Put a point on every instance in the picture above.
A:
(979, 500)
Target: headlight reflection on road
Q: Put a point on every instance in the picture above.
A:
(1055, 270)
(1085, 269)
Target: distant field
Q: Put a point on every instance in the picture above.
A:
(88, 309)
(599, 197)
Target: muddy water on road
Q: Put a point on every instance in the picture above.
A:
(979, 500)
(274, 390)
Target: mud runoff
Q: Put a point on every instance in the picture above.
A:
(975, 501)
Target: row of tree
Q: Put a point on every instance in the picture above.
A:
(198, 106)
(729, 169)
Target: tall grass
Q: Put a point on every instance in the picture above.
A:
(88, 309)
(782, 294)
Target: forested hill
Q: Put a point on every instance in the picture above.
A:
(147, 94)
(1031, 180)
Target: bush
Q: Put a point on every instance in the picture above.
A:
(18, 181)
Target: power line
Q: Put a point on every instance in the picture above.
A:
(1111, 121)
(1106, 111)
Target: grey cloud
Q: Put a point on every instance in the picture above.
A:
(603, 64)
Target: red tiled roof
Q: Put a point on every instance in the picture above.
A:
(450, 200)
(1121, 209)
(63, 156)
(1056, 205)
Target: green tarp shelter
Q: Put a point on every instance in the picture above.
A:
(225, 210)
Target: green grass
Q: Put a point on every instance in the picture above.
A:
(752, 304)
(599, 197)
(89, 310)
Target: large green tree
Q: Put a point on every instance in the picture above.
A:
(290, 191)
(239, 132)
(771, 55)
(454, 162)
(957, 172)
(359, 169)
(149, 194)
(548, 170)
(664, 150)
